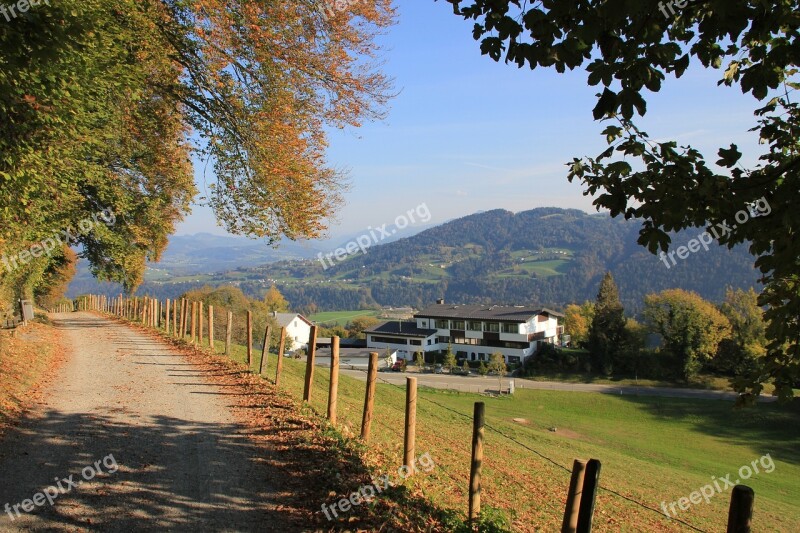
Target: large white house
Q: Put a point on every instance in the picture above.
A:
(473, 331)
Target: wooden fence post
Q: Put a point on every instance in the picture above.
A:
(194, 321)
(182, 319)
(312, 350)
(411, 425)
(249, 340)
(333, 390)
(740, 513)
(591, 479)
(200, 323)
(166, 318)
(228, 333)
(281, 347)
(570, 522)
(478, 421)
(369, 397)
(265, 349)
(211, 328)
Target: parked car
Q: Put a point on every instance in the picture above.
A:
(438, 369)
(397, 366)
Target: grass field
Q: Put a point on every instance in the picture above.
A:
(340, 318)
(653, 450)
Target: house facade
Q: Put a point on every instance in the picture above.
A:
(473, 331)
(298, 329)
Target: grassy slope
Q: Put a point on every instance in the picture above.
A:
(652, 450)
(341, 318)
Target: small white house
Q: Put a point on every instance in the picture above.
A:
(298, 329)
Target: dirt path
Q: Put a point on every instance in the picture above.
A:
(161, 438)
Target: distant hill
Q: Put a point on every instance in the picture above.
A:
(545, 256)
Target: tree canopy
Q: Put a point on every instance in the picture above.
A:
(630, 49)
(103, 105)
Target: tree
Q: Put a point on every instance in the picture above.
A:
(98, 99)
(450, 361)
(691, 328)
(607, 331)
(630, 50)
(275, 301)
(742, 354)
(359, 325)
(465, 367)
(483, 369)
(577, 319)
(497, 363)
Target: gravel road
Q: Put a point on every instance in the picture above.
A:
(158, 437)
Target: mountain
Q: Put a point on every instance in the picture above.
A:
(545, 256)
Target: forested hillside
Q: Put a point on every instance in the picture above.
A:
(544, 256)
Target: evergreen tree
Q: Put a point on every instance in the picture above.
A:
(607, 332)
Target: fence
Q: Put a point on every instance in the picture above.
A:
(182, 318)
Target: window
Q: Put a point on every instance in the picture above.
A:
(430, 341)
(493, 327)
(510, 328)
(415, 342)
(442, 340)
(441, 324)
(458, 324)
(513, 359)
(474, 326)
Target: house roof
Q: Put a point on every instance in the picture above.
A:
(507, 313)
(406, 329)
(284, 319)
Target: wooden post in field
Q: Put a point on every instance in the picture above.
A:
(740, 513)
(184, 317)
(199, 323)
(265, 349)
(166, 318)
(228, 333)
(145, 310)
(369, 397)
(570, 523)
(194, 321)
(211, 327)
(591, 479)
(411, 425)
(312, 350)
(279, 366)
(249, 340)
(478, 421)
(333, 390)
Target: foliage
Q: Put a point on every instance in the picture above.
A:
(275, 301)
(450, 361)
(607, 330)
(357, 326)
(691, 328)
(483, 369)
(577, 319)
(98, 97)
(631, 49)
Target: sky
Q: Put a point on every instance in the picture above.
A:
(466, 134)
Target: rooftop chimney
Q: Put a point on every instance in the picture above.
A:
(440, 301)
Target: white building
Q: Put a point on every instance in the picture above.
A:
(473, 331)
(298, 329)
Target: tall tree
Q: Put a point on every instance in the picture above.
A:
(577, 319)
(607, 332)
(630, 48)
(691, 328)
(275, 301)
(98, 99)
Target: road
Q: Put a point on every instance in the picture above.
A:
(133, 436)
(356, 367)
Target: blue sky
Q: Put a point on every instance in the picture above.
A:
(467, 134)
